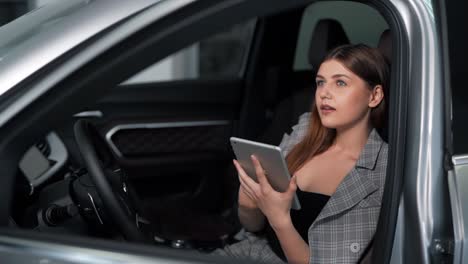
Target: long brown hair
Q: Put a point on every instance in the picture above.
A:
(367, 63)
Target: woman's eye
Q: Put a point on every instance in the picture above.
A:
(319, 82)
(340, 83)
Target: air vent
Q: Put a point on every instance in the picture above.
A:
(43, 147)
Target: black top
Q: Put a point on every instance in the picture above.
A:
(312, 204)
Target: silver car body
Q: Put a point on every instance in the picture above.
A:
(422, 217)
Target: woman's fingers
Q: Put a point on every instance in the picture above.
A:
(262, 180)
(245, 179)
(242, 173)
(246, 188)
(248, 193)
(292, 185)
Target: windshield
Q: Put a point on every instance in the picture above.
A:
(35, 22)
(33, 41)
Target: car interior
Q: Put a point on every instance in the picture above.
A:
(163, 145)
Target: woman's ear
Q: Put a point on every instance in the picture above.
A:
(376, 97)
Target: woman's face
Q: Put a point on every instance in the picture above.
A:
(342, 98)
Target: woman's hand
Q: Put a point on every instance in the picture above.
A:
(245, 202)
(250, 216)
(274, 205)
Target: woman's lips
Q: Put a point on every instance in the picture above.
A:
(326, 109)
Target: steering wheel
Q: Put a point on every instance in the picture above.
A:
(103, 170)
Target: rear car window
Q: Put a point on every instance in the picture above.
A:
(354, 18)
(219, 56)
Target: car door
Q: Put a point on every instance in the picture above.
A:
(450, 15)
(169, 125)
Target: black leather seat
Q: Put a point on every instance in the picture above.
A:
(326, 35)
(385, 45)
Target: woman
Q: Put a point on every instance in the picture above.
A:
(338, 162)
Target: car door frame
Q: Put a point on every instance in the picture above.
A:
(419, 212)
(454, 247)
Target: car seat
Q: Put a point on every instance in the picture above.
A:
(327, 34)
(385, 47)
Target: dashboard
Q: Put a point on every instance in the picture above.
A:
(43, 160)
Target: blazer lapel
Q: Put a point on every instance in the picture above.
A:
(358, 183)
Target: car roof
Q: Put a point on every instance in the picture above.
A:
(36, 39)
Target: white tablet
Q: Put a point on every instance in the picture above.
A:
(272, 160)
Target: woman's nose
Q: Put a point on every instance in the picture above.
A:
(324, 92)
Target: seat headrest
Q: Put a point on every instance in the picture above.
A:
(328, 34)
(385, 44)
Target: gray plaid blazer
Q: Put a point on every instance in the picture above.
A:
(345, 226)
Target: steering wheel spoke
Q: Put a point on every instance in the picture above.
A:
(109, 179)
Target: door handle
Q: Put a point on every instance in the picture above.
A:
(89, 114)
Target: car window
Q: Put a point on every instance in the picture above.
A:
(458, 53)
(459, 124)
(354, 18)
(35, 22)
(218, 56)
